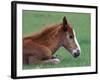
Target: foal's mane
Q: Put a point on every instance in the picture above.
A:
(49, 31)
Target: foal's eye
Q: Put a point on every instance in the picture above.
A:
(70, 37)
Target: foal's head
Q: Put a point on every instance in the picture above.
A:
(69, 41)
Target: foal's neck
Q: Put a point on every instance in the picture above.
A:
(51, 39)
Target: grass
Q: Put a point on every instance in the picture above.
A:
(34, 21)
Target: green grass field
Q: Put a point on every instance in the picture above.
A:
(34, 21)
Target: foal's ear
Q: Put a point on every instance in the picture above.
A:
(64, 23)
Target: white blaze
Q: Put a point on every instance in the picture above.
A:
(78, 47)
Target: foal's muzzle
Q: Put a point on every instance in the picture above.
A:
(76, 53)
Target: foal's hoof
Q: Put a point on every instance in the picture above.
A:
(55, 61)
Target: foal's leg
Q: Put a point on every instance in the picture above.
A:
(33, 60)
(49, 58)
(54, 61)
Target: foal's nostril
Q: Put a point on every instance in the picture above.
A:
(76, 54)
